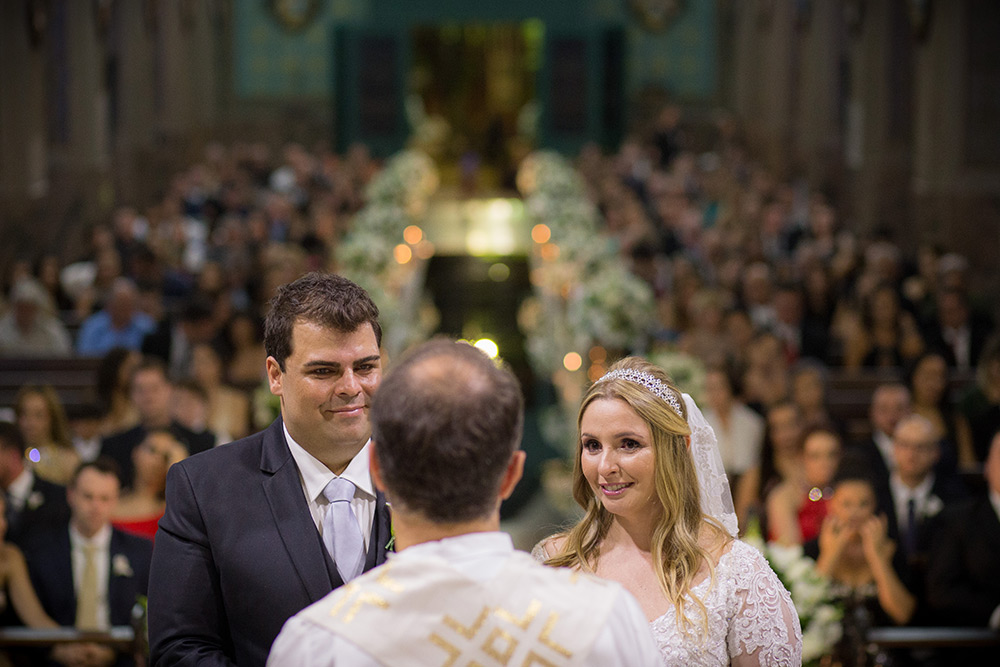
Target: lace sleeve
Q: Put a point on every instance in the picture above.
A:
(540, 551)
(765, 626)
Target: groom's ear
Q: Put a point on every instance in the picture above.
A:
(374, 469)
(687, 439)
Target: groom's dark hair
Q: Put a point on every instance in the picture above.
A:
(446, 422)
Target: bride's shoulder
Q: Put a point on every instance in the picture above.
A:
(549, 547)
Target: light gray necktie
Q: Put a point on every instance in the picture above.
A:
(341, 533)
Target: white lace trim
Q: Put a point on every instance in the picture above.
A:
(751, 619)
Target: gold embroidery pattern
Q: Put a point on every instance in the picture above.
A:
(452, 651)
(501, 643)
(545, 637)
(359, 598)
(469, 632)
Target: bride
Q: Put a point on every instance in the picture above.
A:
(659, 519)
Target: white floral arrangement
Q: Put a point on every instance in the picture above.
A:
(811, 594)
(397, 198)
(584, 296)
(687, 371)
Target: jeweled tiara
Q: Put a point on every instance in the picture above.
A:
(651, 383)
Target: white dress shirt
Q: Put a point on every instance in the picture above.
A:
(901, 495)
(314, 476)
(624, 640)
(102, 542)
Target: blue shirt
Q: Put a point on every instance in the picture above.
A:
(97, 336)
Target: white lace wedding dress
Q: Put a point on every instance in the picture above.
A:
(751, 619)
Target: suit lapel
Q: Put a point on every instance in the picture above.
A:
(292, 519)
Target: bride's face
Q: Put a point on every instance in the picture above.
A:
(617, 457)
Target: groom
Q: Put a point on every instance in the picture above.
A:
(446, 429)
(253, 530)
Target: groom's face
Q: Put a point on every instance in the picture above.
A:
(326, 390)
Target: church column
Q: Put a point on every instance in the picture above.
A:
(23, 127)
(818, 138)
(956, 163)
(878, 123)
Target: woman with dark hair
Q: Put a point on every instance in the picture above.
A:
(659, 520)
(888, 336)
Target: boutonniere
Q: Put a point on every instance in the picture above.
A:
(35, 500)
(120, 566)
(933, 507)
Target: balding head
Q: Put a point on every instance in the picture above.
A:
(915, 449)
(445, 423)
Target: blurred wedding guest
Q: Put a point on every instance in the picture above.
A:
(245, 338)
(88, 574)
(739, 430)
(29, 328)
(31, 502)
(15, 582)
(854, 550)
(119, 324)
(890, 403)
(765, 382)
(962, 583)
(915, 493)
(228, 408)
(958, 331)
(808, 392)
(85, 430)
(42, 420)
(173, 340)
(980, 406)
(780, 459)
(191, 410)
(113, 375)
(888, 335)
(797, 506)
(152, 394)
(446, 434)
(139, 510)
(928, 384)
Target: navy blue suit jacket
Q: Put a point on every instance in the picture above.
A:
(237, 553)
(51, 569)
(46, 509)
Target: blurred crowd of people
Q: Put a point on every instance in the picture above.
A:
(758, 278)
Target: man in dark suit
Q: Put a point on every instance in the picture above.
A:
(963, 587)
(151, 391)
(915, 493)
(32, 503)
(88, 574)
(247, 539)
(890, 403)
(958, 332)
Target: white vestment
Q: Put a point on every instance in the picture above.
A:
(468, 600)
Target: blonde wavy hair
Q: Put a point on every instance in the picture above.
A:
(676, 553)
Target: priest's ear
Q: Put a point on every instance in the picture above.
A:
(512, 475)
(374, 469)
